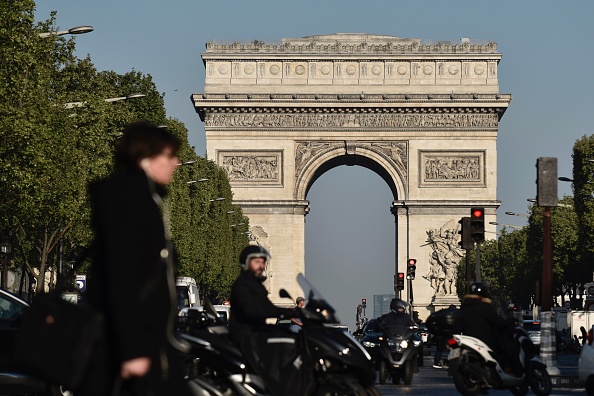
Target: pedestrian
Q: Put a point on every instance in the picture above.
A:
(132, 275)
(440, 345)
(250, 306)
(584, 335)
(296, 323)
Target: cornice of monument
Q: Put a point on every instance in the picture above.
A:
(354, 43)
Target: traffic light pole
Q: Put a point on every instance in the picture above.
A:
(468, 271)
(478, 262)
(546, 296)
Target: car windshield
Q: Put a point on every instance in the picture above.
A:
(372, 326)
(183, 300)
(10, 308)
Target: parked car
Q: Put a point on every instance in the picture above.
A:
(586, 364)
(11, 380)
(532, 327)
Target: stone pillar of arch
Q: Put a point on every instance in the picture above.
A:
(423, 116)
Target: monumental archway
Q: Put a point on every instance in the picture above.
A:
(423, 116)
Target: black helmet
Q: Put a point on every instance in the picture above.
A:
(480, 289)
(250, 252)
(398, 303)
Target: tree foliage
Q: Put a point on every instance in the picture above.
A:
(51, 150)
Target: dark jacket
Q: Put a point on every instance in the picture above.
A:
(131, 281)
(395, 323)
(482, 321)
(250, 306)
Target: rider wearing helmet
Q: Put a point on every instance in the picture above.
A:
(250, 306)
(482, 321)
(397, 321)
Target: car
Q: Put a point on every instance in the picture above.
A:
(11, 380)
(223, 312)
(586, 364)
(532, 327)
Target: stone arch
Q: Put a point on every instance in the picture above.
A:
(393, 171)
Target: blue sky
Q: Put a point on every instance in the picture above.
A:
(547, 65)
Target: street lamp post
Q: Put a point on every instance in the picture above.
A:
(506, 225)
(5, 249)
(72, 105)
(75, 30)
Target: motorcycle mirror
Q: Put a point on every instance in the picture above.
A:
(284, 294)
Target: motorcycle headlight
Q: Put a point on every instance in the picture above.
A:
(404, 344)
(369, 344)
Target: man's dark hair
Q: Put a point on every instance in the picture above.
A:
(143, 140)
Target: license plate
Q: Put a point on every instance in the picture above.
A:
(454, 354)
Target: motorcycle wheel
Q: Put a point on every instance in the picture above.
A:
(382, 372)
(465, 385)
(519, 390)
(539, 380)
(407, 374)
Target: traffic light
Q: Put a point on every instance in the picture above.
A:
(546, 181)
(466, 241)
(364, 303)
(399, 281)
(477, 224)
(411, 268)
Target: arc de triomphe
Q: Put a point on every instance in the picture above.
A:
(423, 116)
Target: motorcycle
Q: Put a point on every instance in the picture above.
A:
(214, 364)
(323, 358)
(472, 364)
(399, 356)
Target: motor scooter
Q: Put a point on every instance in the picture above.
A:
(399, 356)
(214, 364)
(321, 359)
(474, 367)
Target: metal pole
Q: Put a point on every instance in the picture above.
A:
(468, 271)
(547, 263)
(478, 262)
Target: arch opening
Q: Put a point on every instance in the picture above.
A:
(350, 237)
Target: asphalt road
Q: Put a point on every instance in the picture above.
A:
(436, 382)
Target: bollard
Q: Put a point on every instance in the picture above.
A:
(548, 342)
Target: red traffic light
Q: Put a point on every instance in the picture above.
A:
(363, 300)
(477, 212)
(412, 261)
(401, 275)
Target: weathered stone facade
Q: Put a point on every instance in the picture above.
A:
(423, 116)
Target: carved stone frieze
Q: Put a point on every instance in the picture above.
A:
(447, 168)
(378, 120)
(393, 152)
(308, 150)
(263, 168)
(362, 44)
(444, 258)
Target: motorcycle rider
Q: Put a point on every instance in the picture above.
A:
(250, 306)
(482, 321)
(397, 321)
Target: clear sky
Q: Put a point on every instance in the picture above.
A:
(547, 65)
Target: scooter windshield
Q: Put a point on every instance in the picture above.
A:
(316, 303)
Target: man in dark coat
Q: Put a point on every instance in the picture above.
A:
(250, 306)
(132, 277)
(482, 321)
(397, 322)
